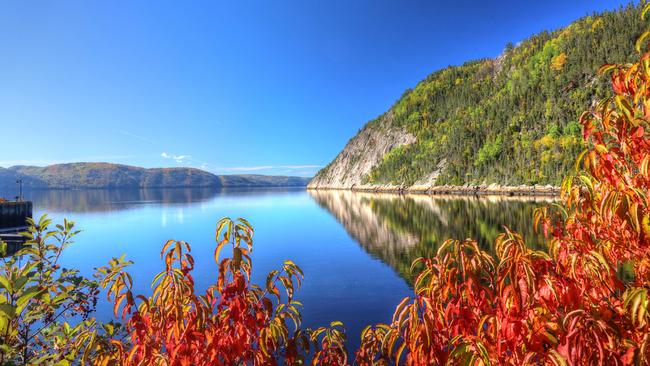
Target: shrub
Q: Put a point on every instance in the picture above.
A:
(39, 300)
(233, 323)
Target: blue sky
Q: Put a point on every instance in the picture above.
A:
(267, 87)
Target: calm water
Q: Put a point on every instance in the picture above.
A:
(355, 248)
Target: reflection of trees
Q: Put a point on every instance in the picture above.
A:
(98, 200)
(398, 229)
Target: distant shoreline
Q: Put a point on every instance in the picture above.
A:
(466, 190)
(155, 187)
(99, 175)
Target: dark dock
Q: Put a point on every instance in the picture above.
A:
(13, 221)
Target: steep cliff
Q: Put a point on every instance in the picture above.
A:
(362, 153)
(511, 120)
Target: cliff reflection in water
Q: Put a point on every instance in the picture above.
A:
(400, 228)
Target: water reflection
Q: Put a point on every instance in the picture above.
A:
(343, 282)
(400, 228)
(104, 200)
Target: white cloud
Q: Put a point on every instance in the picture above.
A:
(177, 158)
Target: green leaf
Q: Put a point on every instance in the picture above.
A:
(645, 10)
(4, 283)
(24, 299)
(8, 310)
(20, 282)
(557, 358)
(640, 40)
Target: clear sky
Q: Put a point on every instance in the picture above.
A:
(268, 87)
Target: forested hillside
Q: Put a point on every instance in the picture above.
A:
(106, 175)
(257, 180)
(510, 120)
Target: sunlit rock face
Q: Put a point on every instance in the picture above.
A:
(362, 153)
(397, 229)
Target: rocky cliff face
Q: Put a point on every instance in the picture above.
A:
(361, 154)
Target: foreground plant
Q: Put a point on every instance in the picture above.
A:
(233, 323)
(44, 309)
(570, 305)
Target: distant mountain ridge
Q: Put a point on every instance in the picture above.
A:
(108, 175)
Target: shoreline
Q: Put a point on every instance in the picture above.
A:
(466, 190)
(39, 188)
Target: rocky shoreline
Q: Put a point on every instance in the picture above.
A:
(468, 190)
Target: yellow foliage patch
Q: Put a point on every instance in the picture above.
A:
(557, 62)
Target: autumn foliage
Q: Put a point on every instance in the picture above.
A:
(233, 323)
(583, 301)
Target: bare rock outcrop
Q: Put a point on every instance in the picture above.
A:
(362, 153)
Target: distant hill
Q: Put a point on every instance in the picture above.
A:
(256, 180)
(509, 120)
(106, 175)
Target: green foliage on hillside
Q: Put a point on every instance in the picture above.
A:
(511, 120)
